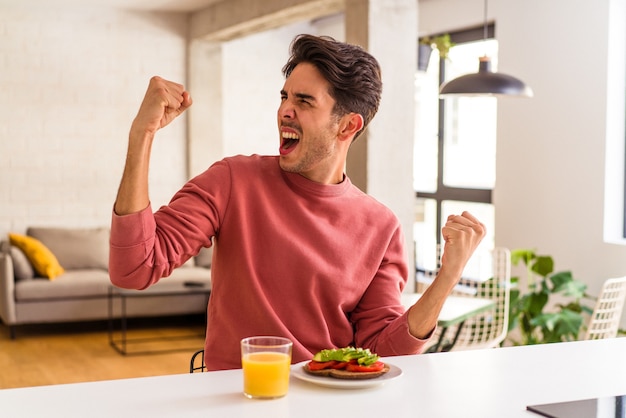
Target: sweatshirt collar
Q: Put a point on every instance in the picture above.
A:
(299, 182)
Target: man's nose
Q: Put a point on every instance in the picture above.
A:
(286, 110)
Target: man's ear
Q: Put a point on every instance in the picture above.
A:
(350, 124)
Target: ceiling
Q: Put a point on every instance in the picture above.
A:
(148, 5)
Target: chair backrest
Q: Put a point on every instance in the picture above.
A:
(607, 313)
(489, 329)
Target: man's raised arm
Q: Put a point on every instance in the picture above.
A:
(163, 102)
(462, 234)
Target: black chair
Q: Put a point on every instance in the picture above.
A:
(198, 357)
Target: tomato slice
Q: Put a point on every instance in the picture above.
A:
(321, 365)
(375, 367)
(339, 365)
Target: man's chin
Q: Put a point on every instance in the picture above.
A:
(288, 164)
(284, 165)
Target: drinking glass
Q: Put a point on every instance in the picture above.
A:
(265, 361)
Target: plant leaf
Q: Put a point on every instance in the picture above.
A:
(559, 326)
(524, 255)
(561, 278)
(569, 325)
(565, 283)
(533, 303)
(543, 265)
(546, 320)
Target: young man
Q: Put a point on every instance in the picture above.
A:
(299, 251)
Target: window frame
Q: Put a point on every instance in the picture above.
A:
(443, 192)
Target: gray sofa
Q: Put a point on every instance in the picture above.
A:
(81, 292)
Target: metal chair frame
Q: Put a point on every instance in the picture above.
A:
(193, 367)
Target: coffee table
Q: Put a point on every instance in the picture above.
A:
(118, 336)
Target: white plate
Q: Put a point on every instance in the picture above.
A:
(298, 372)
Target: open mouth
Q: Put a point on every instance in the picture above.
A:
(289, 141)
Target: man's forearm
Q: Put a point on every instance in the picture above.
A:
(423, 315)
(462, 234)
(132, 195)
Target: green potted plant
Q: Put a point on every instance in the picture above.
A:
(426, 45)
(528, 312)
(443, 45)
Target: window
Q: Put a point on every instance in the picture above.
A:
(455, 147)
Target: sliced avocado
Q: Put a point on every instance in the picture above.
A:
(363, 356)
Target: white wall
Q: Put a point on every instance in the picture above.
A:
(551, 149)
(70, 84)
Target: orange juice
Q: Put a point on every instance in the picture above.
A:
(265, 374)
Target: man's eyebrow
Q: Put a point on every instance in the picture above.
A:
(302, 96)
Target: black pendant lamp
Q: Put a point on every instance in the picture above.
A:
(485, 82)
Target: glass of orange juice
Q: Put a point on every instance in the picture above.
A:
(265, 362)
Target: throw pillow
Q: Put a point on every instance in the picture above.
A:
(75, 248)
(22, 268)
(42, 259)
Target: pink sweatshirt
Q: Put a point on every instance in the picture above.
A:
(323, 265)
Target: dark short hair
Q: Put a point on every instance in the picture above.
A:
(353, 73)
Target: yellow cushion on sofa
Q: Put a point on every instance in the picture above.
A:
(42, 259)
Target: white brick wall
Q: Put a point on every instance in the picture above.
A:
(71, 82)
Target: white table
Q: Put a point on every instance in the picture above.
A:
(455, 310)
(496, 383)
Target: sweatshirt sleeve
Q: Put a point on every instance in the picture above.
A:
(132, 237)
(145, 246)
(381, 322)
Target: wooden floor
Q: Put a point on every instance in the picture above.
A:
(69, 353)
